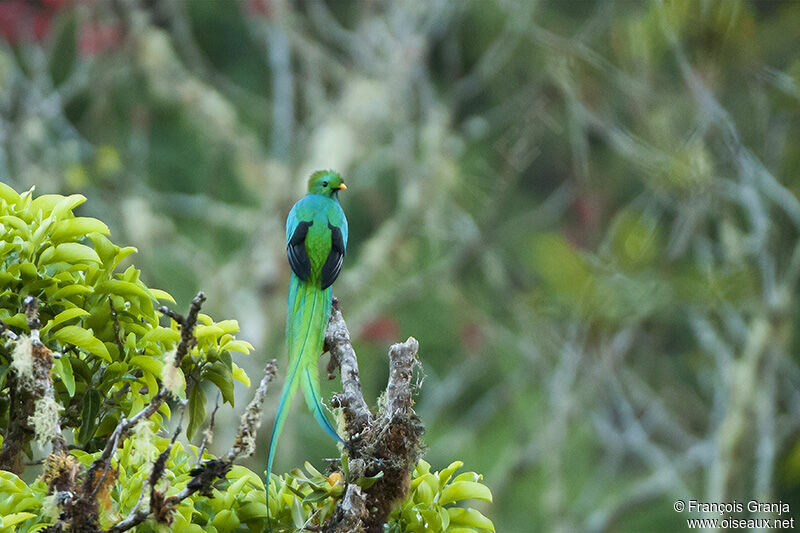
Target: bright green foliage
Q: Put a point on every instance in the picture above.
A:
(236, 504)
(21, 504)
(73, 269)
(429, 506)
(300, 498)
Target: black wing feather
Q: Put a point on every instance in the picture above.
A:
(296, 249)
(333, 264)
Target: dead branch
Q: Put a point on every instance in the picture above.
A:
(351, 513)
(351, 400)
(388, 441)
(187, 325)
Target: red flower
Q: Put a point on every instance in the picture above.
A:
(96, 38)
(27, 20)
(381, 329)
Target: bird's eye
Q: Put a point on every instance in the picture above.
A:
(324, 183)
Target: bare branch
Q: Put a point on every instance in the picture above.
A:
(32, 316)
(187, 326)
(402, 360)
(351, 512)
(351, 400)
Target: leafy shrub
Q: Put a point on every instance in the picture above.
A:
(428, 506)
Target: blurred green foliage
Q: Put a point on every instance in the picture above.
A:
(587, 213)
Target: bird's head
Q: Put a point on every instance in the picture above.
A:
(326, 183)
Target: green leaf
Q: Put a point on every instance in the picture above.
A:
(70, 290)
(469, 518)
(465, 490)
(83, 339)
(56, 203)
(162, 334)
(4, 369)
(64, 316)
(298, 514)
(145, 362)
(114, 371)
(444, 518)
(164, 296)
(226, 520)
(447, 473)
(423, 467)
(122, 254)
(236, 487)
(91, 406)
(104, 247)
(228, 326)
(15, 518)
(11, 483)
(18, 321)
(8, 194)
(468, 476)
(423, 493)
(366, 482)
(18, 224)
(203, 333)
(219, 375)
(6, 278)
(69, 229)
(251, 510)
(107, 425)
(315, 496)
(238, 346)
(197, 410)
(63, 370)
(240, 375)
(124, 288)
(69, 252)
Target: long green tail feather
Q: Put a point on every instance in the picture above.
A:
(309, 310)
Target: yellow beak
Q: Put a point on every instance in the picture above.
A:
(342, 187)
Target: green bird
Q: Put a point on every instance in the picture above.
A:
(316, 240)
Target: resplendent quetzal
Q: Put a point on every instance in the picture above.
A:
(316, 240)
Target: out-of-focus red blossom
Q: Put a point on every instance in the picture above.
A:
(96, 38)
(259, 8)
(27, 19)
(381, 329)
(588, 212)
(472, 337)
(587, 220)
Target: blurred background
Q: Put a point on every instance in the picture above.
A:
(587, 213)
